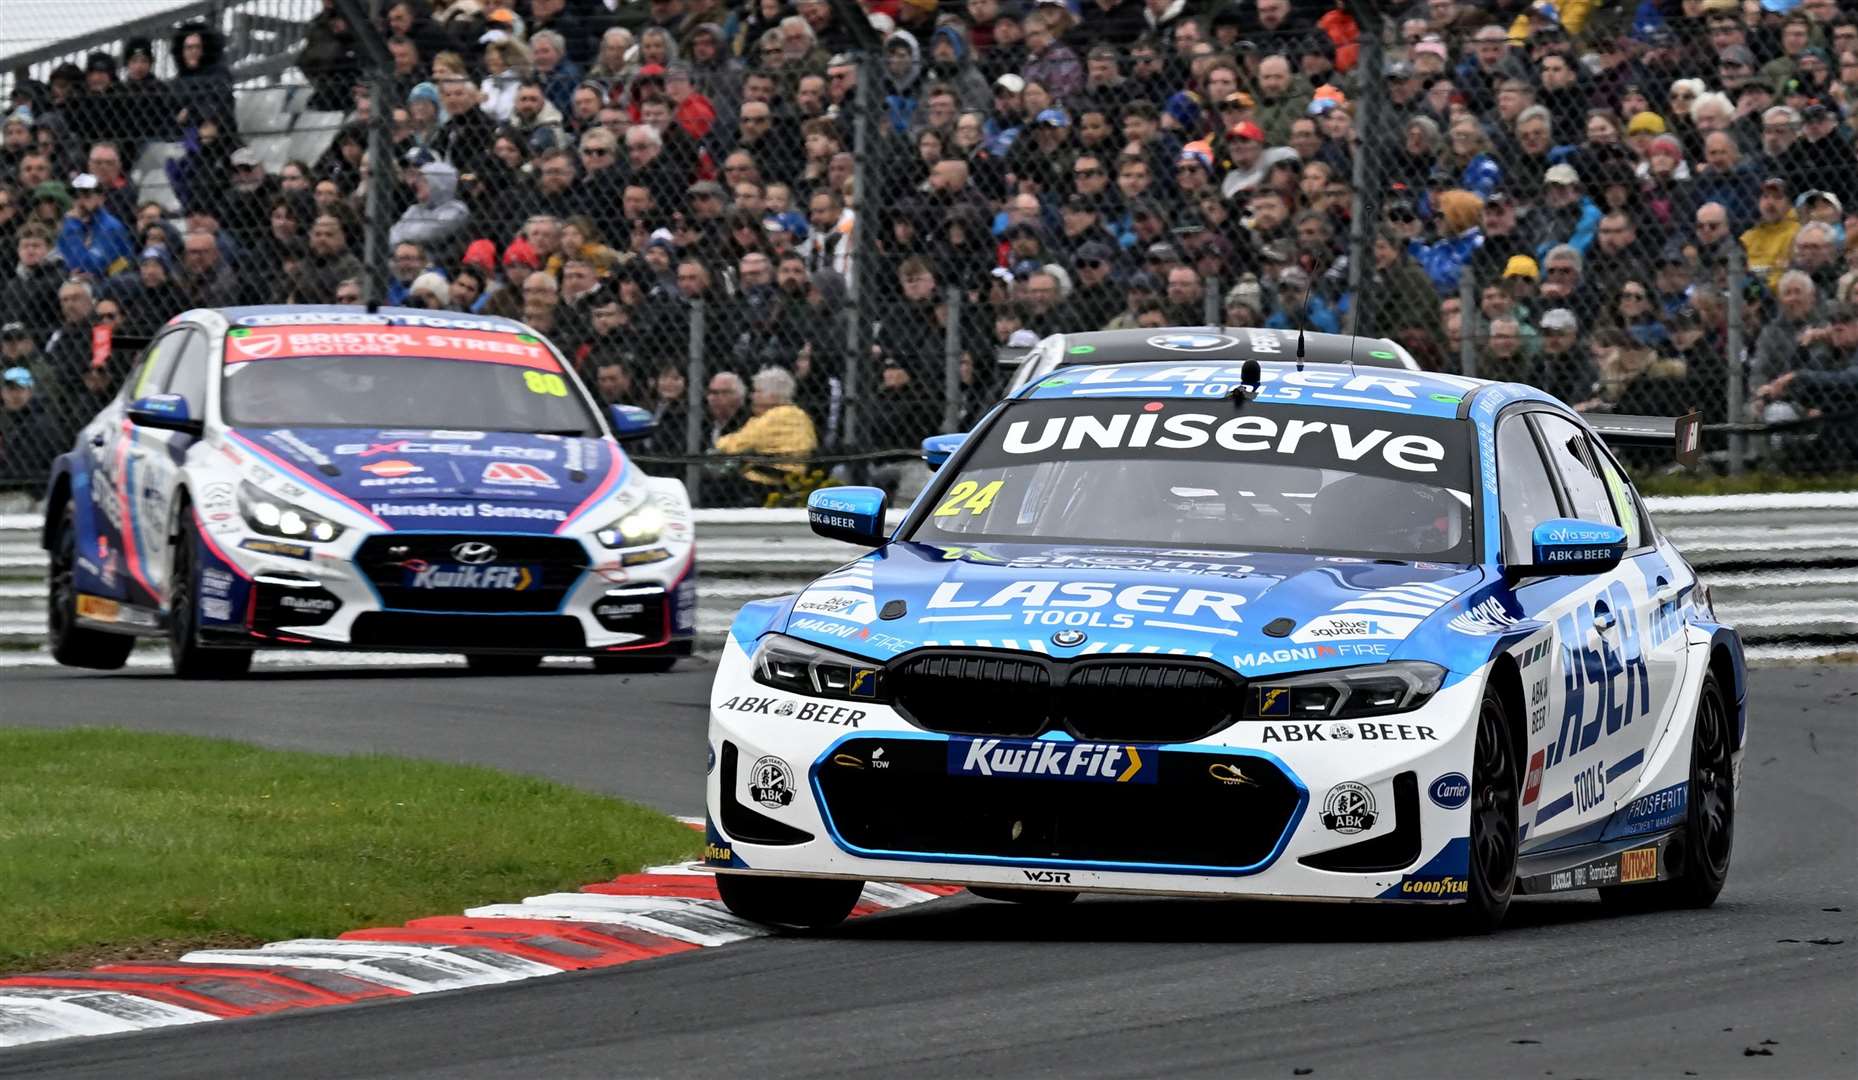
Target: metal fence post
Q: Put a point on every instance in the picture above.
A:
(377, 256)
(1211, 302)
(1736, 391)
(868, 111)
(694, 390)
(1365, 176)
(951, 360)
(1467, 308)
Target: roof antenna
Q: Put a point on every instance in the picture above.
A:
(1250, 375)
(1303, 317)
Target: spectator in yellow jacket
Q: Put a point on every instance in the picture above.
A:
(777, 427)
(1770, 242)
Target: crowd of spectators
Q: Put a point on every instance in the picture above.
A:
(598, 167)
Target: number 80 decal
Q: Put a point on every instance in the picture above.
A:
(542, 382)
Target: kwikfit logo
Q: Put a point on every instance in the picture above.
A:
(1100, 762)
(447, 576)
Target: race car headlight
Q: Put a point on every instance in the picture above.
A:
(1393, 687)
(272, 516)
(641, 526)
(804, 668)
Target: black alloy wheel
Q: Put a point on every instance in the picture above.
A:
(193, 660)
(1495, 795)
(1698, 860)
(74, 645)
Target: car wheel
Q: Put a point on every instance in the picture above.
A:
(1028, 897)
(1495, 798)
(191, 659)
(809, 903)
(501, 663)
(633, 665)
(1699, 860)
(74, 645)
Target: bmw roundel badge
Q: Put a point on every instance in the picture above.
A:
(1064, 639)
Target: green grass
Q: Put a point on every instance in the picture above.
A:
(1686, 483)
(116, 844)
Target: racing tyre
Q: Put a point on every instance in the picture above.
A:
(1698, 860)
(501, 664)
(809, 903)
(1028, 897)
(74, 645)
(191, 659)
(633, 665)
(1495, 798)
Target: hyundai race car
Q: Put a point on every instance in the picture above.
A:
(1320, 633)
(323, 477)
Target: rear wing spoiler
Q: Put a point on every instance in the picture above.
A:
(1683, 434)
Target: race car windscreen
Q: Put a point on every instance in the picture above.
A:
(1207, 474)
(427, 380)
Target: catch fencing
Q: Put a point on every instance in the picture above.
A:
(879, 216)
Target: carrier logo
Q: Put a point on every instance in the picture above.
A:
(1450, 791)
(1100, 762)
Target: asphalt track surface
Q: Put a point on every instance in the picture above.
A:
(1761, 985)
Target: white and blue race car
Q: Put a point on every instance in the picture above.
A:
(334, 478)
(1258, 630)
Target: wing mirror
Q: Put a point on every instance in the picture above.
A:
(1567, 546)
(937, 449)
(167, 412)
(852, 514)
(630, 423)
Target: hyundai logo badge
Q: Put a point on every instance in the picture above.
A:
(1064, 639)
(474, 553)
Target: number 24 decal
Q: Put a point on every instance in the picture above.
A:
(968, 496)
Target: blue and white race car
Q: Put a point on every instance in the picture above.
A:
(323, 477)
(1195, 628)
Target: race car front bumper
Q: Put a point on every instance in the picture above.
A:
(544, 594)
(1338, 809)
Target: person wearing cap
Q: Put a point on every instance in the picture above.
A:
(1562, 366)
(90, 240)
(1140, 290)
(1095, 297)
(1569, 216)
(152, 297)
(29, 440)
(1704, 367)
(1251, 161)
(1767, 243)
(18, 350)
(1832, 163)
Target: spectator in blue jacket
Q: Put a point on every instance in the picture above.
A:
(1570, 217)
(1459, 239)
(91, 240)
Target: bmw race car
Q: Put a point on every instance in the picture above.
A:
(1226, 344)
(1239, 630)
(323, 477)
